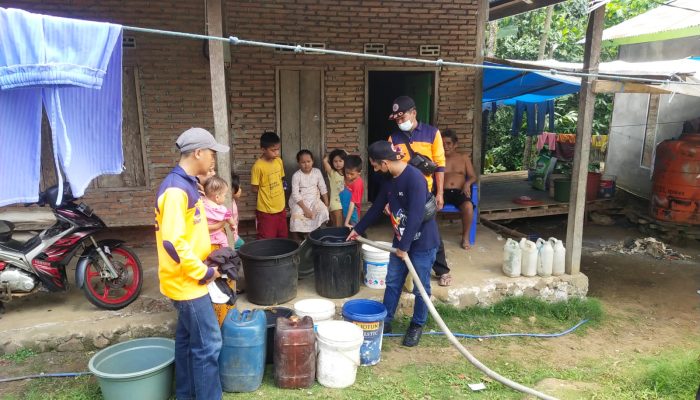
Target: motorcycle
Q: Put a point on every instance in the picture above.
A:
(109, 272)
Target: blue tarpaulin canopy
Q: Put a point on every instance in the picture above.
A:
(507, 87)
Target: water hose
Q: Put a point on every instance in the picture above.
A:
(56, 375)
(473, 360)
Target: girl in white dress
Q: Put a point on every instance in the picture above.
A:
(308, 202)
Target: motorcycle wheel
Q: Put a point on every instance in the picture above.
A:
(113, 294)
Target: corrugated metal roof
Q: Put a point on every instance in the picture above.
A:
(678, 18)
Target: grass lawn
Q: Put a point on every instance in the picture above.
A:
(434, 370)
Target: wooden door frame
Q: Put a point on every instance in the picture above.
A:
(365, 124)
(278, 118)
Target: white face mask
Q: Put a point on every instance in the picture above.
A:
(406, 125)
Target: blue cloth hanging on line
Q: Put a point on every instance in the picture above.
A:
(74, 68)
(536, 114)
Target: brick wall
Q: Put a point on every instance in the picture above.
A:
(342, 25)
(174, 75)
(174, 84)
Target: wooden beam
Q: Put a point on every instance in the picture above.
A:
(507, 8)
(218, 87)
(601, 86)
(482, 19)
(577, 204)
(502, 229)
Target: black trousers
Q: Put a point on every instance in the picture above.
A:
(440, 265)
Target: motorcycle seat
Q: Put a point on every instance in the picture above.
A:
(12, 245)
(6, 230)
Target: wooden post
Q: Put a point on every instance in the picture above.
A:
(218, 87)
(482, 18)
(577, 204)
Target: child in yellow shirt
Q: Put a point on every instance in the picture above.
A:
(267, 180)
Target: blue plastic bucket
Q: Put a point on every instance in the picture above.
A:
(368, 315)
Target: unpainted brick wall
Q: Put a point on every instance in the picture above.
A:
(174, 84)
(342, 25)
(174, 73)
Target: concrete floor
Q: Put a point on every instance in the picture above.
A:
(67, 321)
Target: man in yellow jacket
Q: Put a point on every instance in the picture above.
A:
(182, 238)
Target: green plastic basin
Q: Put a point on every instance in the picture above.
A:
(140, 369)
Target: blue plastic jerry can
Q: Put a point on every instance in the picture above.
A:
(242, 357)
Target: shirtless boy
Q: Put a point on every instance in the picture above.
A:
(459, 176)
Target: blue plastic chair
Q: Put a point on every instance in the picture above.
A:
(450, 208)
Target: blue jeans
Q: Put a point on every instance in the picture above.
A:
(197, 347)
(396, 275)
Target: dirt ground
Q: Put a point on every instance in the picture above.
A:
(650, 305)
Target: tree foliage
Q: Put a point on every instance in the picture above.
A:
(519, 38)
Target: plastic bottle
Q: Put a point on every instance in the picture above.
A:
(545, 258)
(295, 353)
(559, 263)
(512, 260)
(529, 257)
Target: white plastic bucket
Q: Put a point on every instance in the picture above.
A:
(318, 309)
(339, 345)
(374, 264)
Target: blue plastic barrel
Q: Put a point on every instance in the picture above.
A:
(242, 358)
(368, 315)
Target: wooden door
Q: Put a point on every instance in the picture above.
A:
(299, 116)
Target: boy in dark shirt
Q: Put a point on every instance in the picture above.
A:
(403, 194)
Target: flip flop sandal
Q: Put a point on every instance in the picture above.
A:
(445, 280)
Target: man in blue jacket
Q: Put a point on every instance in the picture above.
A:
(403, 196)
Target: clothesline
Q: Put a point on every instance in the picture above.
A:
(439, 62)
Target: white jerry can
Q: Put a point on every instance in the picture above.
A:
(559, 264)
(545, 258)
(529, 257)
(511, 258)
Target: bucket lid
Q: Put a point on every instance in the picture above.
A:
(311, 306)
(340, 333)
(364, 310)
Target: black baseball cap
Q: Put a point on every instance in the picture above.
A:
(400, 105)
(383, 150)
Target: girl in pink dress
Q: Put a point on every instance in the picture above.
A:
(218, 216)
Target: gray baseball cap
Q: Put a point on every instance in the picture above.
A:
(198, 138)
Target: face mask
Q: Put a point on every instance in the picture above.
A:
(406, 125)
